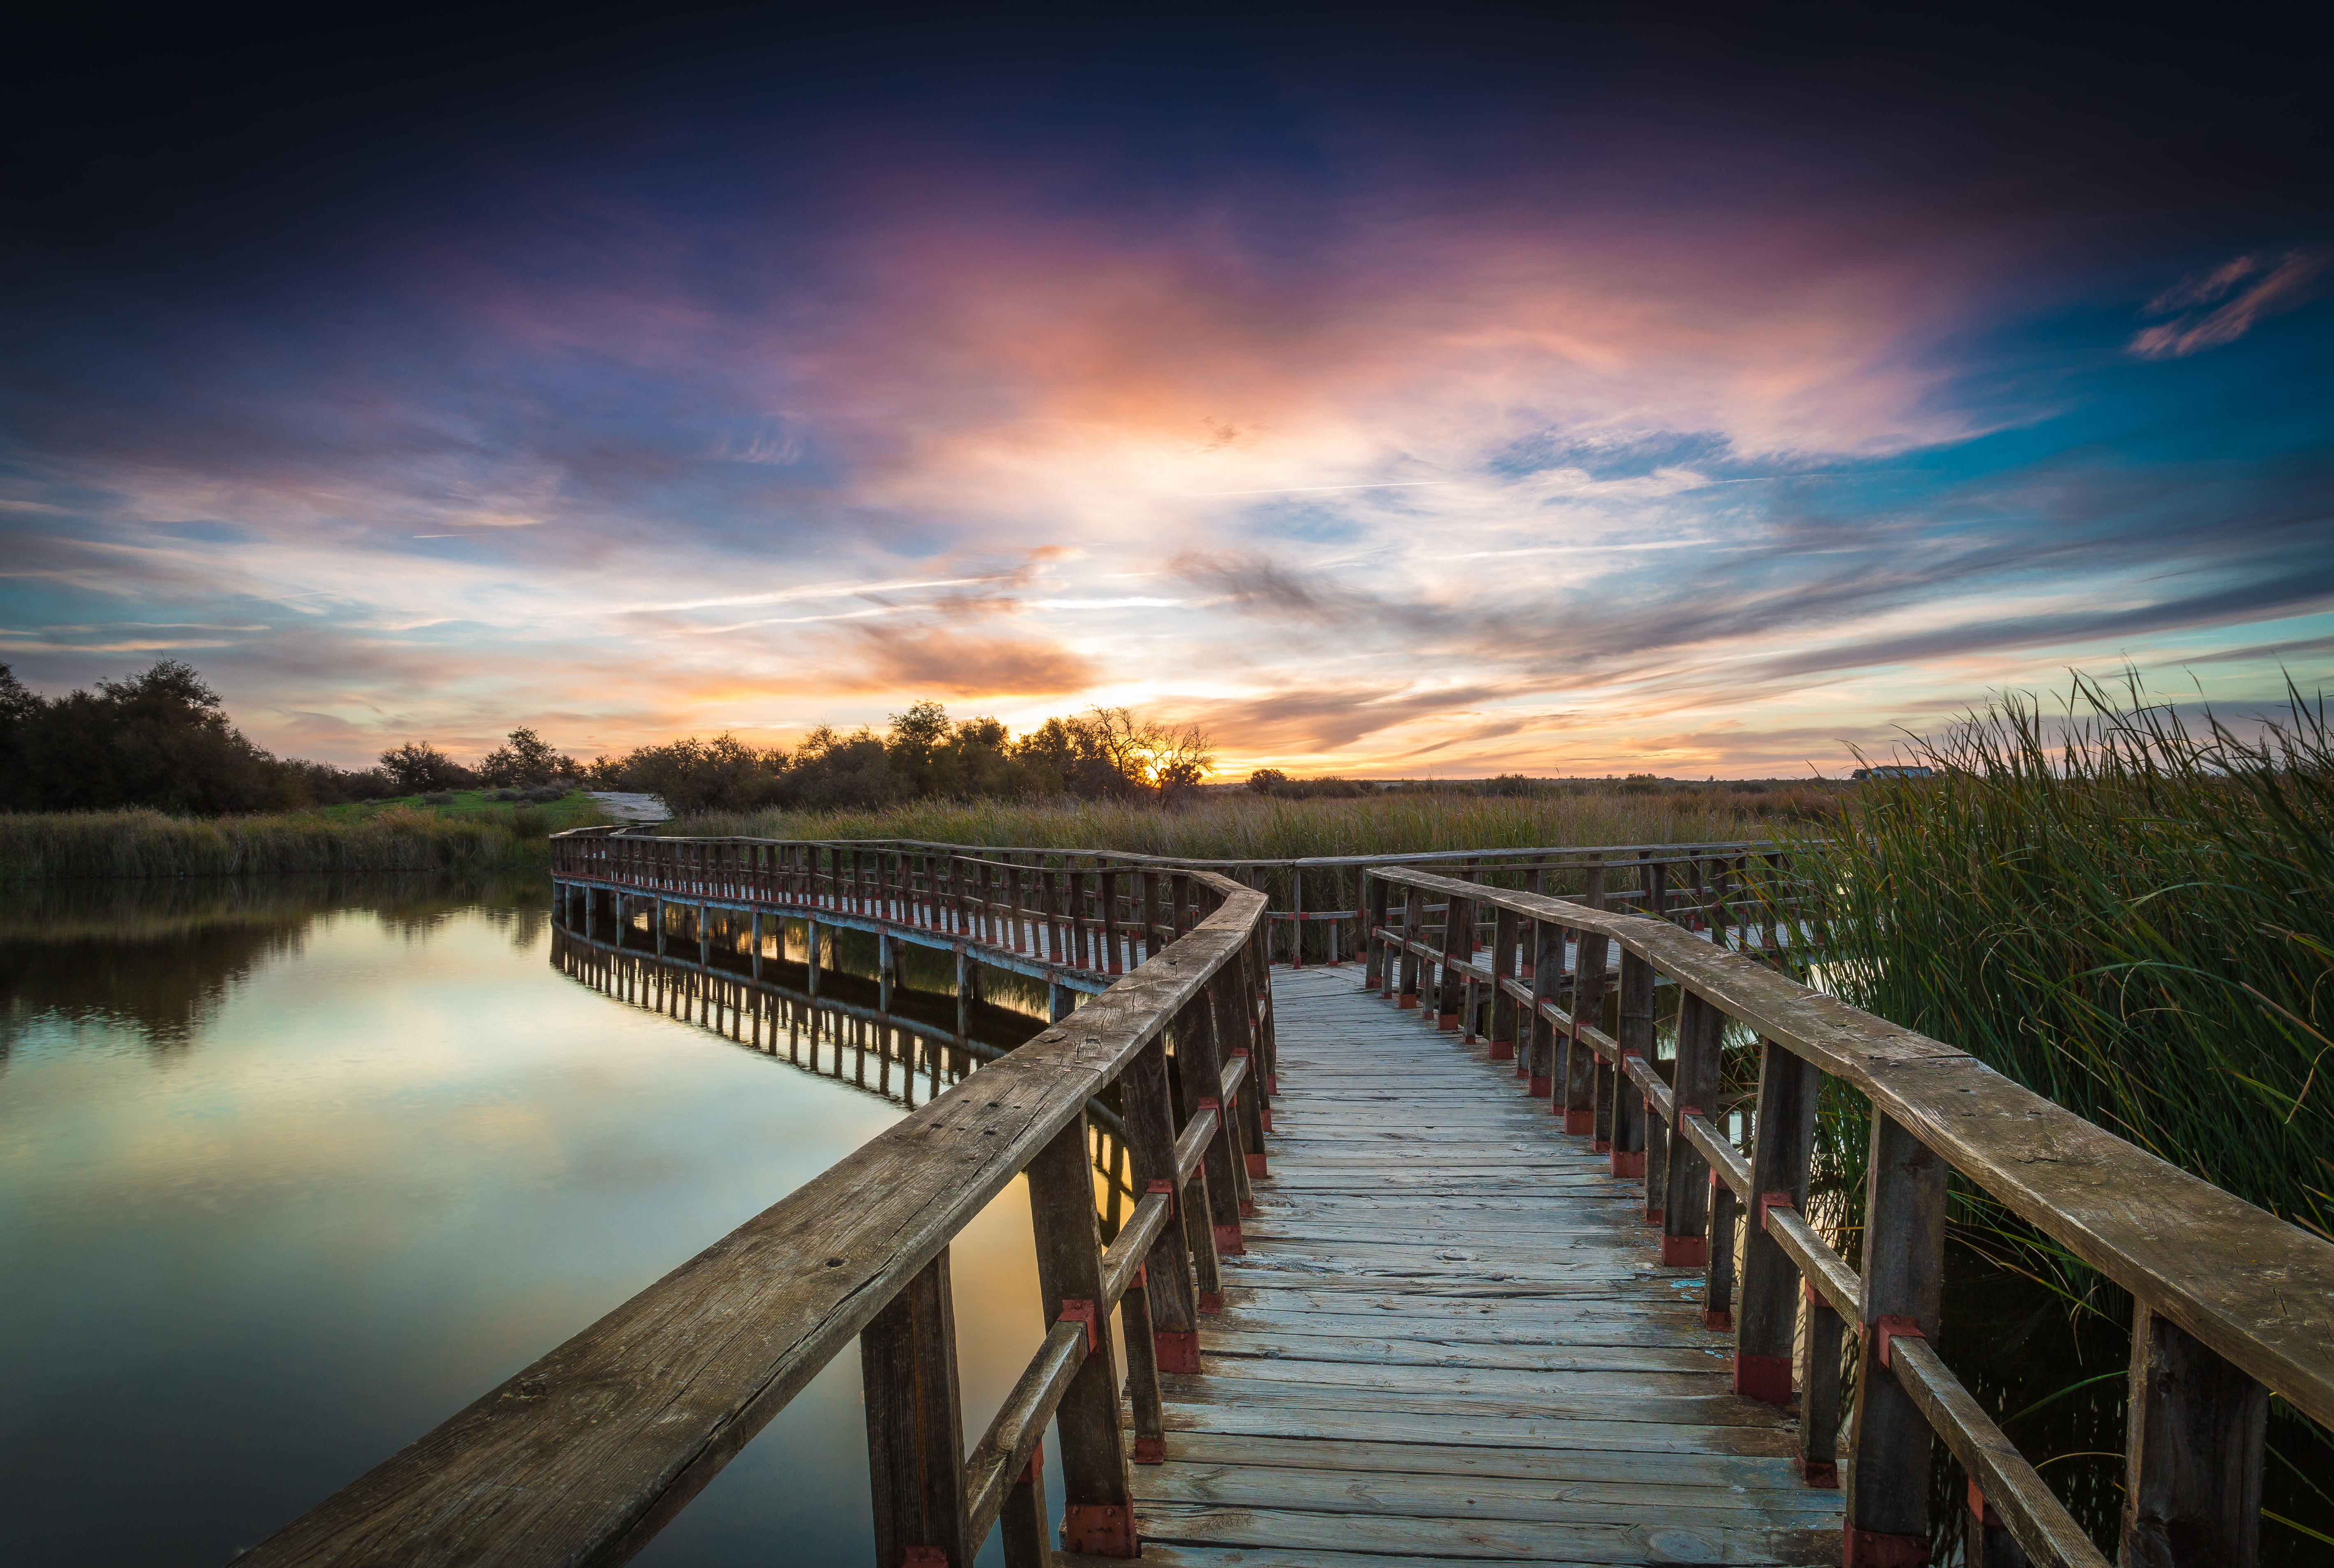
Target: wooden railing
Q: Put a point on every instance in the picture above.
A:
(2232, 1304)
(583, 1457)
(1088, 889)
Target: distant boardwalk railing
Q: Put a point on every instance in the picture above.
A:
(2232, 1303)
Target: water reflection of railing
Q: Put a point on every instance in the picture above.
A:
(586, 1454)
(885, 1054)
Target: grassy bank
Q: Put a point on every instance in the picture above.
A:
(1262, 828)
(472, 832)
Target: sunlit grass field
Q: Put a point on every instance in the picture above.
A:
(1241, 827)
(471, 832)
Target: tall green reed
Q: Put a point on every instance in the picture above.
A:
(143, 843)
(2129, 910)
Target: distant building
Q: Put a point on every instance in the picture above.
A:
(1893, 773)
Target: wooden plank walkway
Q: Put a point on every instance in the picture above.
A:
(1451, 1337)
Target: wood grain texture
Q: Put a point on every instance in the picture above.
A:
(1450, 1336)
(2257, 1292)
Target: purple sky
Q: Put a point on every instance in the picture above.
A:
(1477, 400)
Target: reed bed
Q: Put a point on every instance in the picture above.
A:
(2132, 918)
(1253, 828)
(150, 844)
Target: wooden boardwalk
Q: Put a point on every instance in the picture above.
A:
(1451, 1337)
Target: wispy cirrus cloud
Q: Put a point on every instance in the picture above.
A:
(2222, 306)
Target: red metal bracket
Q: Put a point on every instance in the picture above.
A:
(1150, 1450)
(1104, 1529)
(1075, 1311)
(924, 1557)
(1209, 1102)
(1240, 1052)
(1161, 1184)
(1773, 1200)
(1888, 1329)
(1034, 1471)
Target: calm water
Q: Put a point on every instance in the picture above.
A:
(288, 1173)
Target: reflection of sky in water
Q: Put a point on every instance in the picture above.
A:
(382, 1170)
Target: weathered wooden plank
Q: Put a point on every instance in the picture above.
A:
(1433, 1495)
(1491, 1539)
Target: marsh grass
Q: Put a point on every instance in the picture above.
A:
(1253, 828)
(471, 835)
(2135, 918)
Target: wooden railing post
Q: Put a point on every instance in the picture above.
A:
(1414, 929)
(1167, 1269)
(1718, 1274)
(1582, 1070)
(1097, 1500)
(1503, 1005)
(2193, 1455)
(1202, 1072)
(915, 1425)
(1782, 1142)
(1685, 1208)
(1889, 1445)
(1374, 971)
(1625, 1123)
(1817, 1357)
(1548, 975)
(1458, 948)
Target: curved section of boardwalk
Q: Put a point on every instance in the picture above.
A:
(1451, 1337)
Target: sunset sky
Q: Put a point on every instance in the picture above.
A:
(1694, 398)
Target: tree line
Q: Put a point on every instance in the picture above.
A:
(1104, 753)
(163, 739)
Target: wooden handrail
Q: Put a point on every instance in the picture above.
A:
(2240, 1296)
(583, 1456)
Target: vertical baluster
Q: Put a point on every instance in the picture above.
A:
(1378, 970)
(2192, 1459)
(1889, 1445)
(1198, 1053)
(1110, 921)
(1779, 1151)
(1414, 930)
(1503, 1005)
(1718, 1274)
(1817, 1359)
(1174, 1298)
(1458, 948)
(1536, 1030)
(1685, 1208)
(1236, 1025)
(1180, 882)
(1624, 1109)
(1296, 919)
(915, 1427)
(1097, 1514)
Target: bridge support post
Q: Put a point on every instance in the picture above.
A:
(1414, 929)
(1583, 1074)
(1167, 1268)
(1458, 948)
(885, 957)
(963, 996)
(1818, 1372)
(1685, 1208)
(1503, 1006)
(1625, 1102)
(1374, 950)
(1718, 1276)
(1548, 975)
(2192, 1456)
(704, 936)
(915, 1425)
(660, 925)
(810, 956)
(1097, 1500)
(1889, 1445)
(1784, 1137)
(757, 944)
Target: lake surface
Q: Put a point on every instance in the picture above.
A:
(289, 1172)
